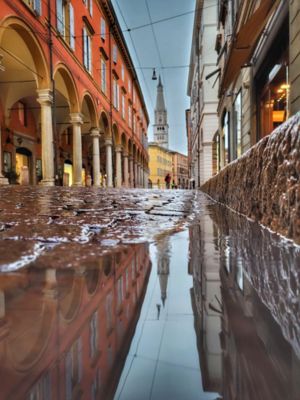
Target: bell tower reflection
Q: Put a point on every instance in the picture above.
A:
(163, 265)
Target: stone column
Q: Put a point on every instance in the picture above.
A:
(142, 176)
(126, 180)
(109, 169)
(96, 157)
(3, 181)
(145, 179)
(45, 99)
(131, 172)
(118, 166)
(76, 120)
(135, 166)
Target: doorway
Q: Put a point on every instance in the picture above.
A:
(23, 166)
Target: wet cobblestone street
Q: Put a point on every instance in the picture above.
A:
(143, 294)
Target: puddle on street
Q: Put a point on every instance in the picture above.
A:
(210, 312)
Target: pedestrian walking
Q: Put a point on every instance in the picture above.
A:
(168, 180)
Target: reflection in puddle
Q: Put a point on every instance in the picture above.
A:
(65, 332)
(217, 317)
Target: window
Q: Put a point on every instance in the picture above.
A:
(130, 115)
(115, 54)
(94, 335)
(103, 75)
(73, 367)
(134, 122)
(35, 5)
(115, 94)
(65, 21)
(123, 72)
(87, 49)
(42, 389)
(103, 29)
(129, 86)
(120, 291)
(96, 386)
(123, 106)
(237, 125)
(89, 5)
(109, 311)
(134, 95)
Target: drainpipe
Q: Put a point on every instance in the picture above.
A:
(199, 109)
(53, 106)
(110, 106)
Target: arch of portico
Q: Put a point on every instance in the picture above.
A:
(26, 99)
(90, 139)
(68, 124)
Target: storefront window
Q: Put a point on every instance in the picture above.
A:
(7, 161)
(237, 125)
(273, 86)
(225, 156)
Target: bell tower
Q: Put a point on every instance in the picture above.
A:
(161, 127)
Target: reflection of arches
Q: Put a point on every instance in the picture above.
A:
(70, 288)
(92, 277)
(31, 322)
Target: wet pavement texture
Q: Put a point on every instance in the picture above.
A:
(143, 295)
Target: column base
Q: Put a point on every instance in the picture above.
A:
(47, 182)
(3, 181)
(77, 184)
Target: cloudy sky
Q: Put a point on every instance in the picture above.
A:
(166, 46)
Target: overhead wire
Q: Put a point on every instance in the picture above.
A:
(136, 53)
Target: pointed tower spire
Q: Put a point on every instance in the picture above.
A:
(160, 101)
(161, 127)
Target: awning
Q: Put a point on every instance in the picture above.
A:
(245, 41)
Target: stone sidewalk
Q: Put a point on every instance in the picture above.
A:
(62, 227)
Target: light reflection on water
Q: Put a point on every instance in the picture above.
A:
(217, 313)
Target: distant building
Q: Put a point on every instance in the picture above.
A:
(161, 127)
(160, 164)
(179, 170)
(203, 93)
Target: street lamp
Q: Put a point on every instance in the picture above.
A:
(154, 77)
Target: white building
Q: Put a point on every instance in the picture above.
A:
(203, 92)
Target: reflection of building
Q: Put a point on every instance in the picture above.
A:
(258, 57)
(65, 333)
(206, 299)
(163, 265)
(203, 94)
(260, 330)
(94, 123)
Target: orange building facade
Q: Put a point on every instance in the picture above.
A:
(71, 108)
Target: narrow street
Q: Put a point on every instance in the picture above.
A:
(143, 295)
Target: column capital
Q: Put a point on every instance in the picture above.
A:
(95, 132)
(76, 118)
(118, 148)
(108, 142)
(125, 153)
(45, 96)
